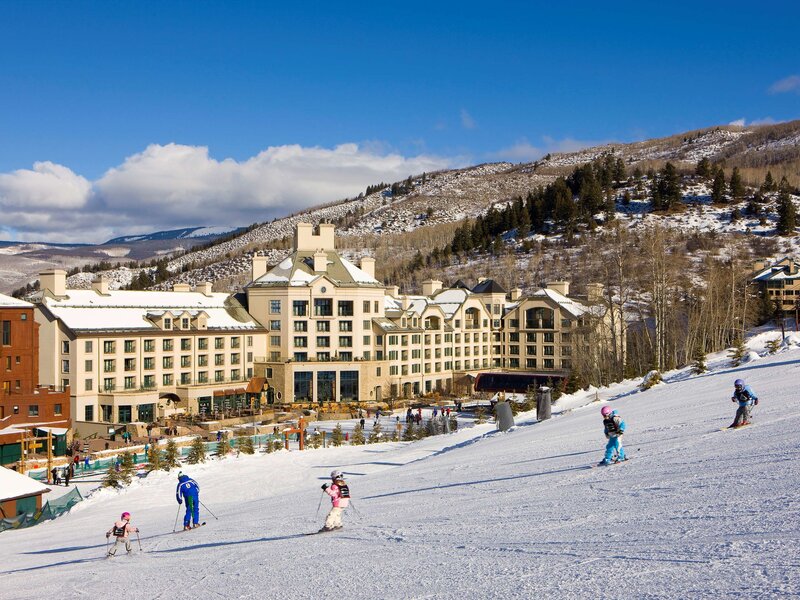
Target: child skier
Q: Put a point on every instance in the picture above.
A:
(614, 428)
(121, 531)
(189, 490)
(746, 399)
(340, 499)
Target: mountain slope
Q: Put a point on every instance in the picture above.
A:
(697, 512)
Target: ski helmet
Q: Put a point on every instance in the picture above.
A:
(126, 515)
(605, 411)
(739, 383)
(336, 475)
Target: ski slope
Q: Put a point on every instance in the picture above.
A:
(696, 513)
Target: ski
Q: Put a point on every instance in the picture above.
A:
(611, 464)
(182, 530)
(732, 428)
(324, 531)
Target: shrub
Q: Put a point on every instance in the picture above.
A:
(197, 451)
(171, 455)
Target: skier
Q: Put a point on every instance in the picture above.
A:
(189, 490)
(614, 428)
(121, 530)
(340, 499)
(746, 399)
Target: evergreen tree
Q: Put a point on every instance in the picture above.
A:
(315, 439)
(376, 435)
(171, 455)
(736, 185)
(244, 443)
(738, 352)
(408, 433)
(699, 365)
(197, 451)
(787, 213)
(223, 445)
(703, 168)
(670, 187)
(774, 345)
(357, 438)
(769, 184)
(128, 468)
(480, 414)
(619, 170)
(112, 478)
(337, 437)
(718, 188)
(154, 462)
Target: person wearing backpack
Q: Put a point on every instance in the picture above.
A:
(614, 427)
(189, 490)
(340, 499)
(746, 399)
(121, 530)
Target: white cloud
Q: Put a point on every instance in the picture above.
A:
(787, 84)
(173, 185)
(467, 122)
(738, 123)
(744, 122)
(524, 151)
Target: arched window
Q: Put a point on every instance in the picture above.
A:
(539, 318)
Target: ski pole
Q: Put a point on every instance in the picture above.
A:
(355, 509)
(139, 540)
(106, 546)
(208, 509)
(177, 514)
(319, 504)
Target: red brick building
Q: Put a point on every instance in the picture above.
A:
(24, 405)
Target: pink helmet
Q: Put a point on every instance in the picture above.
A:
(605, 411)
(126, 515)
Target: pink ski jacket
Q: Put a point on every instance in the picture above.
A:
(337, 499)
(119, 525)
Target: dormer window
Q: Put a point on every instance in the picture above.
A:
(167, 323)
(184, 323)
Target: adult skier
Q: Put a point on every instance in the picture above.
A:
(121, 530)
(614, 427)
(189, 490)
(340, 499)
(746, 399)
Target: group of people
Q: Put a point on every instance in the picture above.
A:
(64, 473)
(614, 426)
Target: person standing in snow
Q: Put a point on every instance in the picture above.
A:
(746, 399)
(614, 427)
(121, 531)
(340, 499)
(189, 490)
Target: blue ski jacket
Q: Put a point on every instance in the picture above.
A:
(187, 488)
(745, 396)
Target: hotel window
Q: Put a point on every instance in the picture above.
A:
(149, 345)
(323, 341)
(513, 363)
(109, 365)
(149, 363)
(130, 364)
(301, 326)
(186, 344)
(549, 363)
(65, 347)
(166, 345)
(56, 409)
(300, 356)
(88, 413)
(249, 341)
(345, 341)
(109, 384)
(530, 338)
(219, 375)
(87, 346)
(530, 350)
(88, 384)
(130, 346)
(219, 343)
(323, 326)
(33, 410)
(323, 307)
(275, 340)
(235, 375)
(366, 324)
(299, 308)
(166, 362)
(65, 366)
(130, 382)
(345, 326)
(167, 323)
(149, 382)
(549, 337)
(202, 377)
(167, 379)
(249, 357)
(235, 342)
(367, 340)
(275, 307)
(202, 344)
(345, 308)
(375, 307)
(186, 378)
(186, 361)
(202, 360)
(219, 359)
(235, 358)
(300, 341)
(549, 351)
(365, 307)
(109, 347)
(184, 323)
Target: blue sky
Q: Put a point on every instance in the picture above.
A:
(88, 87)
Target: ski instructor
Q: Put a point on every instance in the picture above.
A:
(189, 490)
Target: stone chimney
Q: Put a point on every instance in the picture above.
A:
(516, 294)
(431, 286)
(393, 291)
(594, 292)
(181, 287)
(204, 288)
(368, 266)
(55, 281)
(100, 285)
(305, 240)
(562, 287)
(405, 302)
(759, 265)
(320, 261)
(259, 267)
(481, 279)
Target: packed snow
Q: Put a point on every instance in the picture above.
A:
(697, 511)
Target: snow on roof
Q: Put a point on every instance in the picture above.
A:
(357, 274)
(576, 309)
(9, 302)
(298, 269)
(129, 310)
(15, 485)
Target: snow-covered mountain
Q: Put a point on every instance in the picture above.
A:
(697, 511)
(177, 234)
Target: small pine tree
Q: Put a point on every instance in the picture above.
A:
(738, 352)
(223, 446)
(376, 434)
(337, 437)
(197, 451)
(154, 462)
(453, 423)
(128, 468)
(774, 345)
(480, 415)
(736, 185)
(408, 433)
(315, 439)
(112, 478)
(357, 438)
(171, 456)
(699, 365)
(244, 443)
(277, 445)
(718, 188)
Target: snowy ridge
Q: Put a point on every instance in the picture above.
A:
(696, 513)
